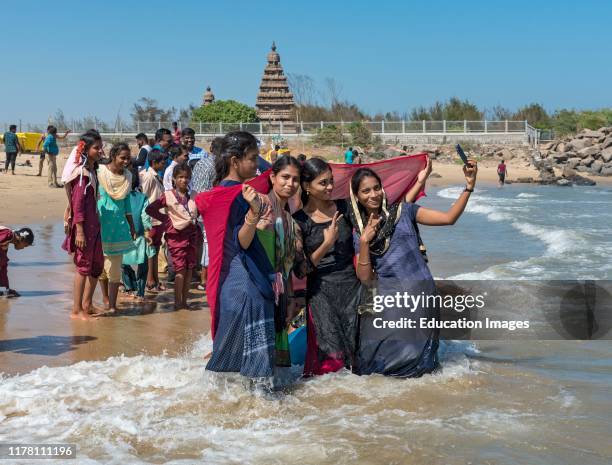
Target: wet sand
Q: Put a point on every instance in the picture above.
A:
(36, 329)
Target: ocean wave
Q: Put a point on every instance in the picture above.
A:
(151, 409)
(527, 195)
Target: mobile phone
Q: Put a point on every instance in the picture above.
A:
(461, 154)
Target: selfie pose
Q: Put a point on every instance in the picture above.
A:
(390, 259)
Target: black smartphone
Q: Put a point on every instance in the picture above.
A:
(461, 154)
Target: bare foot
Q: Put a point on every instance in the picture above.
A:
(74, 316)
(85, 316)
(109, 312)
(208, 355)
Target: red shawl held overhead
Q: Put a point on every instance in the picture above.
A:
(397, 174)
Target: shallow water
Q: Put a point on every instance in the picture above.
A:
(532, 402)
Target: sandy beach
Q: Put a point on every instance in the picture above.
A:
(25, 198)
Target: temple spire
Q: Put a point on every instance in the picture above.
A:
(274, 100)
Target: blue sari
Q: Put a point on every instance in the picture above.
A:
(245, 335)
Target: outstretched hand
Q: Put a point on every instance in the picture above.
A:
(470, 171)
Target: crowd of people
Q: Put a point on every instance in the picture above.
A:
(255, 229)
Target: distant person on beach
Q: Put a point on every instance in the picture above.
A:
(356, 157)
(11, 148)
(135, 282)
(301, 158)
(195, 153)
(176, 133)
(181, 230)
(20, 239)
(202, 181)
(348, 156)
(83, 239)
(116, 223)
(143, 151)
(152, 186)
(501, 172)
(51, 151)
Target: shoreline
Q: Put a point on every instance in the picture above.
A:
(25, 198)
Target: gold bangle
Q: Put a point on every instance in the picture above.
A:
(364, 264)
(250, 221)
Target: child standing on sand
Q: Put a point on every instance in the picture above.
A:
(181, 230)
(83, 239)
(153, 188)
(20, 239)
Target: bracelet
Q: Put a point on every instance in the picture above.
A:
(468, 190)
(250, 221)
(364, 264)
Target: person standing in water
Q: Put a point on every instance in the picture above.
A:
(117, 226)
(83, 238)
(333, 291)
(389, 259)
(501, 172)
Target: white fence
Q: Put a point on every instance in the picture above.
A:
(376, 127)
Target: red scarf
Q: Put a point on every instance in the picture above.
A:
(397, 174)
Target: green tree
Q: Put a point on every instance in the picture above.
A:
(534, 114)
(225, 111)
(360, 134)
(328, 135)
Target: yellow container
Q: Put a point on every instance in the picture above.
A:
(29, 140)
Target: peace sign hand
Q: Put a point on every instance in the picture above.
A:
(330, 234)
(370, 230)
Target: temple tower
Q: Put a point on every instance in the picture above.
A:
(274, 101)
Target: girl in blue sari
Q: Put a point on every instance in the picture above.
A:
(244, 330)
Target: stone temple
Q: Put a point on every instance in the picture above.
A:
(274, 101)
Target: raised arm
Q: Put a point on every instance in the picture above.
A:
(431, 217)
(420, 182)
(65, 135)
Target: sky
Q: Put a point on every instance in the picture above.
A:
(98, 58)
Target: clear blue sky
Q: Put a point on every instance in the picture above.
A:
(98, 58)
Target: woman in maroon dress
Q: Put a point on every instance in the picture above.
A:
(83, 239)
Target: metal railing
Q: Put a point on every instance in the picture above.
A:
(301, 127)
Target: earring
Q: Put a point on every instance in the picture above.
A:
(308, 192)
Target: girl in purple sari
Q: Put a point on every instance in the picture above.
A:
(390, 260)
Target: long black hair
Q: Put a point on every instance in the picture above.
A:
(234, 144)
(359, 175)
(312, 169)
(283, 162)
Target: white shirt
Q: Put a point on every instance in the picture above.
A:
(168, 176)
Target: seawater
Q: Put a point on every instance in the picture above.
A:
(535, 402)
